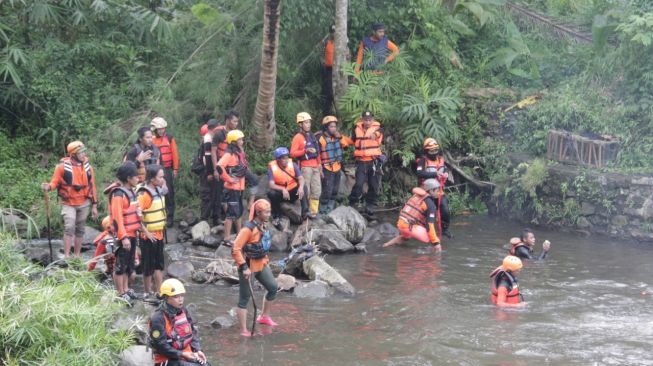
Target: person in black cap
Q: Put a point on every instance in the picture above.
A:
(367, 137)
(376, 50)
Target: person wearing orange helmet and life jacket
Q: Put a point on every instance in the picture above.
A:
(305, 149)
(523, 246)
(105, 243)
(126, 222)
(431, 166)
(332, 144)
(143, 152)
(174, 337)
(250, 251)
(375, 51)
(74, 180)
(417, 219)
(167, 145)
(367, 137)
(234, 171)
(504, 289)
(218, 148)
(286, 183)
(151, 200)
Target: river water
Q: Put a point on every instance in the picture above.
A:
(588, 304)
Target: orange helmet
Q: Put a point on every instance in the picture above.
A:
(431, 144)
(512, 263)
(75, 147)
(259, 205)
(328, 119)
(106, 223)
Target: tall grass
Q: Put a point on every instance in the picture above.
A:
(54, 316)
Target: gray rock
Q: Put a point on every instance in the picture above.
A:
(619, 220)
(200, 276)
(200, 230)
(183, 237)
(301, 236)
(208, 241)
(318, 269)
(387, 230)
(223, 252)
(279, 240)
(286, 282)
(217, 230)
(360, 248)
(223, 322)
(182, 270)
(135, 319)
(175, 251)
(587, 209)
(284, 224)
(90, 233)
(222, 268)
(293, 211)
(313, 290)
(347, 181)
(330, 240)
(647, 208)
(583, 223)
(350, 221)
(189, 217)
(371, 235)
(183, 225)
(137, 355)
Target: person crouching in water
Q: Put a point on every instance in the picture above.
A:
(151, 199)
(173, 336)
(250, 251)
(503, 286)
(104, 247)
(418, 217)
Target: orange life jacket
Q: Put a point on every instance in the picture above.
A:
(497, 275)
(222, 145)
(235, 166)
(284, 177)
(431, 166)
(366, 145)
(412, 211)
(513, 248)
(76, 183)
(130, 218)
(330, 150)
(180, 334)
(163, 143)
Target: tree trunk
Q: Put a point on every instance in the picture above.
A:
(264, 125)
(341, 51)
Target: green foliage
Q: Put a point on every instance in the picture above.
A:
(54, 316)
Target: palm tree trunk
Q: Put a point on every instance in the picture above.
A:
(341, 51)
(264, 125)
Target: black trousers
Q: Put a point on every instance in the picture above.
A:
(366, 173)
(276, 197)
(170, 197)
(444, 212)
(327, 90)
(210, 198)
(330, 186)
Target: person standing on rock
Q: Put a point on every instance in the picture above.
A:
(234, 170)
(74, 180)
(250, 251)
(151, 199)
(504, 289)
(431, 166)
(332, 144)
(367, 137)
(418, 217)
(523, 246)
(286, 183)
(144, 152)
(167, 145)
(218, 148)
(174, 338)
(305, 149)
(126, 221)
(210, 203)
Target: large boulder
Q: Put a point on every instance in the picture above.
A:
(313, 290)
(217, 230)
(318, 269)
(279, 240)
(293, 211)
(200, 230)
(300, 236)
(175, 252)
(224, 252)
(286, 282)
(90, 233)
(182, 270)
(137, 355)
(329, 239)
(208, 241)
(350, 221)
(387, 230)
(189, 216)
(371, 235)
(135, 319)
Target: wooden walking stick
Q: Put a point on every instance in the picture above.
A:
(251, 292)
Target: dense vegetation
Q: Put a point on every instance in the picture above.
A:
(96, 70)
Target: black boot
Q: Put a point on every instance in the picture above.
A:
(445, 231)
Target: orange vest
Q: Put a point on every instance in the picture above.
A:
(328, 53)
(163, 143)
(331, 151)
(234, 166)
(284, 177)
(412, 211)
(77, 180)
(180, 335)
(366, 145)
(513, 248)
(513, 296)
(130, 218)
(431, 166)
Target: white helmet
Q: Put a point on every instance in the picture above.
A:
(158, 122)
